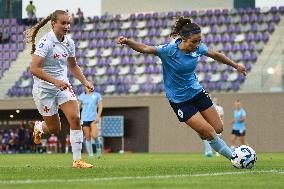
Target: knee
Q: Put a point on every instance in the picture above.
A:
(88, 137)
(55, 130)
(75, 119)
(219, 130)
(208, 134)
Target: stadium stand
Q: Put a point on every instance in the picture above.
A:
(10, 49)
(239, 33)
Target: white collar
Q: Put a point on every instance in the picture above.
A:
(54, 38)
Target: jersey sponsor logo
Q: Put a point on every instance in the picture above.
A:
(40, 45)
(46, 109)
(65, 54)
(180, 113)
(56, 56)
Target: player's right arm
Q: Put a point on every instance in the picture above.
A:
(41, 52)
(36, 70)
(139, 47)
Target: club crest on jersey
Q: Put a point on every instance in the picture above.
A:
(46, 109)
(40, 45)
(67, 44)
(180, 113)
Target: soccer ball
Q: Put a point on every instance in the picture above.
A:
(244, 157)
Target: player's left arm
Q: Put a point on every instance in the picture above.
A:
(100, 110)
(243, 117)
(225, 60)
(77, 72)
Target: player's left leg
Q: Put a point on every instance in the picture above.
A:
(243, 140)
(71, 111)
(208, 152)
(95, 135)
(87, 133)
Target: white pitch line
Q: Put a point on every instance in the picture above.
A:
(41, 181)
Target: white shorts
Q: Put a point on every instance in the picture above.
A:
(47, 101)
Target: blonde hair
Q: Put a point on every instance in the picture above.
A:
(30, 34)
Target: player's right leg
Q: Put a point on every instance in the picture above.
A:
(87, 133)
(208, 152)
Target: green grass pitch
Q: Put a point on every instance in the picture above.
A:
(125, 171)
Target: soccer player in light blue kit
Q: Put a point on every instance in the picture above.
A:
(239, 128)
(92, 107)
(187, 97)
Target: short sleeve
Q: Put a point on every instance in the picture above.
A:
(221, 111)
(72, 49)
(244, 112)
(42, 48)
(99, 97)
(203, 49)
(162, 50)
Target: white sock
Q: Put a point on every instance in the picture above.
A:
(76, 139)
(66, 150)
(38, 126)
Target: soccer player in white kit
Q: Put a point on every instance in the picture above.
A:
(50, 58)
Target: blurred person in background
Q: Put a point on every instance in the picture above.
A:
(31, 9)
(239, 128)
(92, 107)
(52, 143)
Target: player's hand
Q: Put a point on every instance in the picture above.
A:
(241, 69)
(121, 40)
(61, 85)
(97, 120)
(89, 86)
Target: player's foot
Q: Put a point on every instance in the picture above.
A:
(208, 154)
(37, 134)
(99, 153)
(81, 164)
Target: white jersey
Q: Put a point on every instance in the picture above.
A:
(219, 109)
(55, 55)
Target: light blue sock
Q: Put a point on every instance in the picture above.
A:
(220, 146)
(89, 148)
(207, 147)
(97, 143)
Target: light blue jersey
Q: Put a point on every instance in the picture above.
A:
(180, 81)
(239, 125)
(89, 104)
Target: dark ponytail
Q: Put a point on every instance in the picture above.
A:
(184, 28)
